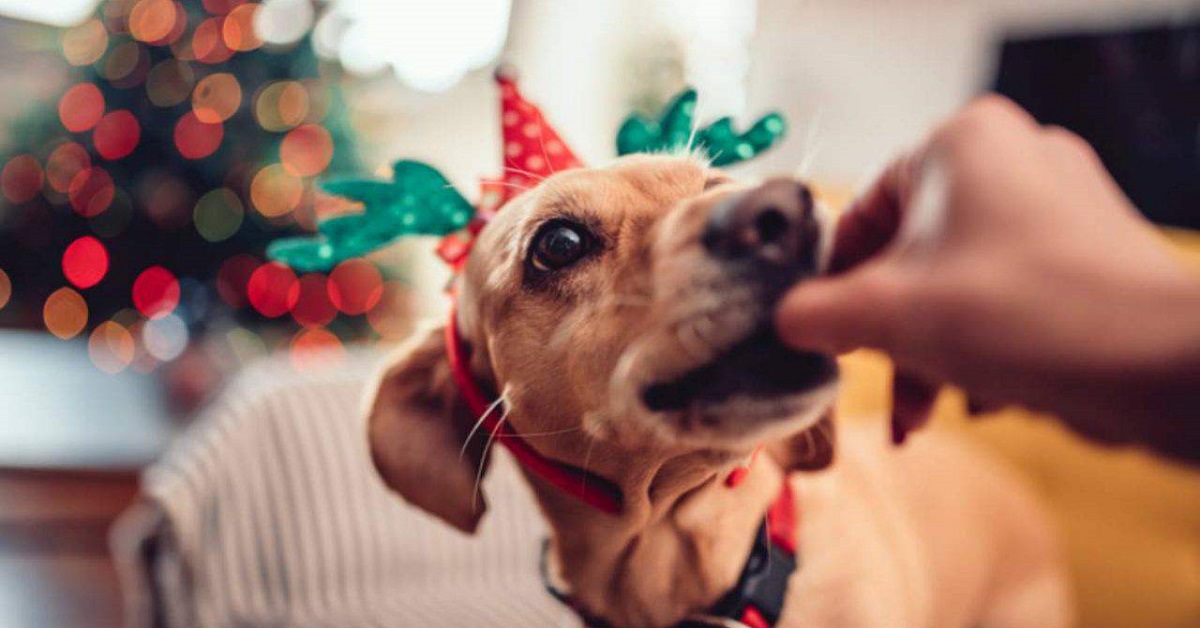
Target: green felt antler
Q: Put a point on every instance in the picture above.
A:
(417, 201)
(673, 131)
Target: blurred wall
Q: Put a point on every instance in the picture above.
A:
(862, 79)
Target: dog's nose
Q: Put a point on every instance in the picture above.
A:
(771, 225)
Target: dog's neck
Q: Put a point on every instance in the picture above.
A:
(679, 545)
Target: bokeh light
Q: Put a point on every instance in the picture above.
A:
(281, 105)
(168, 200)
(21, 179)
(392, 318)
(233, 277)
(81, 107)
(165, 338)
(155, 292)
(65, 313)
(90, 192)
(126, 65)
(306, 150)
(116, 135)
(169, 82)
(65, 162)
(5, 288)
(313, 308)
(218, 214)
(216, 97)
(152, 20)
(112, 221)
(283, 21)
(273, 289)
(238, 29)
(319, 98)
(85, 43)
(111, 347)
(195, 139)
(314, 348)
(208, 42)
(355, 286)
(274, 192)
(85, 262)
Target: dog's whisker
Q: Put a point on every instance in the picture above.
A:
(527, 173)
(511, 185)
(691, 342)
(811, 147)
(587, 459)
(621, 302)
(547, 433)
(483, 460)
(545, 155)
(479, 423)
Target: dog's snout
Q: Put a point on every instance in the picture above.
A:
(772, 224)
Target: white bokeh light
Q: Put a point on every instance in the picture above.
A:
(165, 338)
(283, 21)
(429, 45)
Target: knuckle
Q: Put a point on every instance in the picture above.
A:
(984, 115)
(1069, 140)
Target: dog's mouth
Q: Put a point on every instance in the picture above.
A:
(759, 367)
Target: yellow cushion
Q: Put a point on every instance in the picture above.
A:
(1130, 521)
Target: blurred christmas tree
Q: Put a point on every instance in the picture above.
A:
(138, 205)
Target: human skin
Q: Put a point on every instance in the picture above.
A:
(1000, 256)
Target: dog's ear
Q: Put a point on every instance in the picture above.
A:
(417, 426)
(810, 450)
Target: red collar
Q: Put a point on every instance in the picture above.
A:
(588, 488)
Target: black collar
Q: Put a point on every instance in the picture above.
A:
(755, 601)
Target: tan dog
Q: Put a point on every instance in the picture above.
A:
(623, 314)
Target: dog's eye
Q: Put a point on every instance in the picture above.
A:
(558, 245)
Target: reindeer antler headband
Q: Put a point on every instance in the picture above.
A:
(419, 200)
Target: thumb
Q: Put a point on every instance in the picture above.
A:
(838, 313)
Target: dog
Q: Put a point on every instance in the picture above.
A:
(621, 316)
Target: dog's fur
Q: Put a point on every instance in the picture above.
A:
(929, 535)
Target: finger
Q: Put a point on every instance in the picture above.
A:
(977, 407)
(872, 220)
(842, 312)
(912, 403)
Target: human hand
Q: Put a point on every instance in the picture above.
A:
(1000, 256)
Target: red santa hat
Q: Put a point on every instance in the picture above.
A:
(532, 150)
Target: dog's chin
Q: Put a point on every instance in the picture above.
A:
(754, 391)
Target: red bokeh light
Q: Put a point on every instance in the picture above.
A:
(81, 107)
(313, 308)
(91, 192)
(306, 150)
(273, 289)
(64, 164)
(155, 292)
(177, 29)
(355, 286)
(21, 179)
(85, 262)
(316, 348)
(116, 135)
(195, 139)
(233, 277)
(208, 43)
